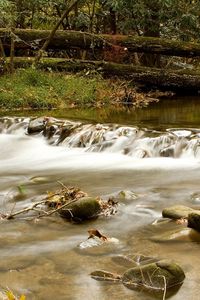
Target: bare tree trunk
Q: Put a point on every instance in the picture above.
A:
(3, 61)
(2, 49)
(113, 24)
(50, 37)
(20, 22)
(59, 14)
(92, 16)
(12, 51)
(152, 29)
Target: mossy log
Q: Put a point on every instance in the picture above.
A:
(178, 81)
(29, 38)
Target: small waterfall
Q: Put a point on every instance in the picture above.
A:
(13, 125)
(112, 138)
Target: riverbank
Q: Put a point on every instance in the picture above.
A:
(36, 89)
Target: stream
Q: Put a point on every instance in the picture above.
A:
(155, 159)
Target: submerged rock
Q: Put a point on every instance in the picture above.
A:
(133, 260)
(194, 221)
(83, 209)
(180, 234)
(160, 275)
(178, 211)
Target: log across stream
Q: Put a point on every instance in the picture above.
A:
(29, 38)
(180, 81)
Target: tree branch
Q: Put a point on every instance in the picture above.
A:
(50, 37)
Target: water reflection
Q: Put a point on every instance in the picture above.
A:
(179, 112)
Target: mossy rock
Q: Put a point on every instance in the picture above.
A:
(178, 211)
(160, 275)
(194, 221)
(82, 209)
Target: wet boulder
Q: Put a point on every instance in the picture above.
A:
(194, 221)
(66, 131)
(160, 275)
(167, 152)
(37, 125)
(49, 131)
(82, 209)
(178, 211)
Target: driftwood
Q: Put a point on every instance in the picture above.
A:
(174, 80)
(62, 40)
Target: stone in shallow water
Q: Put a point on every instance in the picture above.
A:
(178, 211)
(181, 234)
(162, 278)
(194, 221)
(95, 242)
(82, 209)
(160, 275)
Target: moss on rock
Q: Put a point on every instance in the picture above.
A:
(178, 212)
(82, 209)
(155, 276)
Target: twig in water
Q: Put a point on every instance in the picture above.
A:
(58, 209)
(165, 287)
(25, 210)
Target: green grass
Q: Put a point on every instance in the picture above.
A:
(36, 89)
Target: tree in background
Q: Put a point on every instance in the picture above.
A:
(169, 18)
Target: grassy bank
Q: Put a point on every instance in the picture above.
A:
(32, 88)
(36, 89)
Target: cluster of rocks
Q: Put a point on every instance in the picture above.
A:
(129, 140)
(154, 275)
(157, 275)
(180, 212)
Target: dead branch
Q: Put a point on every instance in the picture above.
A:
(25, 210)
(52, 33)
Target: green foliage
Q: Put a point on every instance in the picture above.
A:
(176, 18)
(36, 89)
(171, 18)
(8, 13)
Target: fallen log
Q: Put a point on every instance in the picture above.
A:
(180, 81)
(33, 39)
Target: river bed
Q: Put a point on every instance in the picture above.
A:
(41, 258)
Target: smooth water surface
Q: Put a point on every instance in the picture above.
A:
(41, 258)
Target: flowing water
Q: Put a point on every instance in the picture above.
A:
(156, 159)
